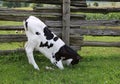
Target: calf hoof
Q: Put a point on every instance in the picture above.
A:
(36, 67)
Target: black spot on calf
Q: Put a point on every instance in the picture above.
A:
(48, 34)
(43, 44)
(37, 33)
(51, 45)
(46, 45)
(53, 56)
(55, 39)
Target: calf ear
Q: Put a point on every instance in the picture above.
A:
(26, 25)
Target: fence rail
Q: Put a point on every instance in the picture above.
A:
(101, 44)
(80, 31)
(108, 0)
(95, 10)
(77, 3)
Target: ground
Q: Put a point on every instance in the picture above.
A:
(97, 67)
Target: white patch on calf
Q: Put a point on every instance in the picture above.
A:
(67, 62)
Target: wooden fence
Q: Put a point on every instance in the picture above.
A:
(64, 21)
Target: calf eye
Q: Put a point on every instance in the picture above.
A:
(37, 33)
(55, 63)
(55, 39)
(53, 56)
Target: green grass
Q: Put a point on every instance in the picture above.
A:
(98, 16)
(11, 45)
(10, 23)
(102, 38)
(97, 67)
(101, 16)
(24, 8)
(100, 65)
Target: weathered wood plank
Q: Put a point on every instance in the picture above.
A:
(77, 3)
(11, 28)
(76, 40)
(77, 16)
(48, 9)
(66, 21)
(7, 11)
(78, 23)
(101, 44)
(80, 31)
(12, 38)
(57, 11)
(94, 10)
(82, 43)
(20, 15)
(38, 1)
(21, 18)
(108, 0)
(5, 52)
(44, 17)
(96, 32)
(95, 22)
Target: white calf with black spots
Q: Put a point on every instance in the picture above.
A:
(42, 39)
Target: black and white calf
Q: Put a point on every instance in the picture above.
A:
(45, 41)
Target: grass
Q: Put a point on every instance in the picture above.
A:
(98, 16)
(11, 45)
(24, 8)
(101, 16)
(10, 23)
(97, 67)
(102, 38)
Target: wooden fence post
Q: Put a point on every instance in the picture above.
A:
(66, 21)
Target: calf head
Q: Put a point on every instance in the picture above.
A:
(67, 54)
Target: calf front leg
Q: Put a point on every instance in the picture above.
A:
(29, 52)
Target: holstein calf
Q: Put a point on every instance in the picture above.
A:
(45, 41)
